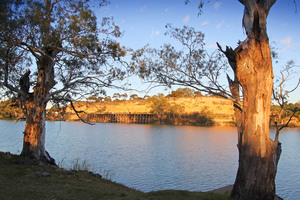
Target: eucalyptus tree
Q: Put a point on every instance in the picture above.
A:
(69, 52)
(281, 95)
(252, 84)
(189, 65)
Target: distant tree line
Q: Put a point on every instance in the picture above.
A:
(180, 92)
(10, 110)
(174, 113)
(167, 113)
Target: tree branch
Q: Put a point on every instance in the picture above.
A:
(73, 108)
(6, 84)
(77, 114)
(285, 125)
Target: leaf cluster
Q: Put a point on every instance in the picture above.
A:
(185, 62)
(86, 54)
(184, 92)
(162, 107)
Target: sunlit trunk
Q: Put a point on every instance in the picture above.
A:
(35, 111)
(34, 134)
(252, 66)
(258, 154)
(35, 104)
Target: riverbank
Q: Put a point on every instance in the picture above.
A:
(195, 111)
(189, 111)
(24, 179)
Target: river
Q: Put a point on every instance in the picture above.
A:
(150, 158)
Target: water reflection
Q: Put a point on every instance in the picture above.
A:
(151, 158)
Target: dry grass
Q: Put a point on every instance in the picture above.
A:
(24, 179)
(220, 110)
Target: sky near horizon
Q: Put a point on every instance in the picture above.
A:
(143, 22)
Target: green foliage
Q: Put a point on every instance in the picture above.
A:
(85, 54)
(183, 92)
(281, 115)
(163, 109)
(184, 62)
(197, 119)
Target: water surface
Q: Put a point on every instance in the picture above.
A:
(151, 158)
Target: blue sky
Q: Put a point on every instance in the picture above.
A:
(143, 22)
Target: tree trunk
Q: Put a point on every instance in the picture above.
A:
(258, 154)
(35, 111)
(34, 134)
(252, 66)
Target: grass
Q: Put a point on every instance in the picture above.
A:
(23, 179)
(80, 165)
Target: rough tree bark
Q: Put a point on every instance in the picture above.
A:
(60, 33)
(252, 66)
(36, 102)
(35, 110)
(258, 155)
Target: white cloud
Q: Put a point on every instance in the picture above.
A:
(281, 50)
(154, 33)
(168, 9)
(186, 19)
(287, 41)
(143, 9)
(204, 23)
(220, 24)
(212, 46)
(217, 5)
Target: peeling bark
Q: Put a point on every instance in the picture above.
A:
(255, 17)
(252, 66)
(234, 87)
(35, 104)
(258, 154)
(35, 111)
(34, 134)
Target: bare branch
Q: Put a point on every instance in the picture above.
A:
(292, 90)
(294, 1)
(285, 125)
(77, 114)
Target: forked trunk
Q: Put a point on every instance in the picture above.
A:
(258, 154)
(35, 103)
(252, 66)
(35, 111)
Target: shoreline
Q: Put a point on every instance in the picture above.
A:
(23, 178)
(223, 190)
(155, 124)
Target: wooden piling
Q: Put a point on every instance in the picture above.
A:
(122, 118)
